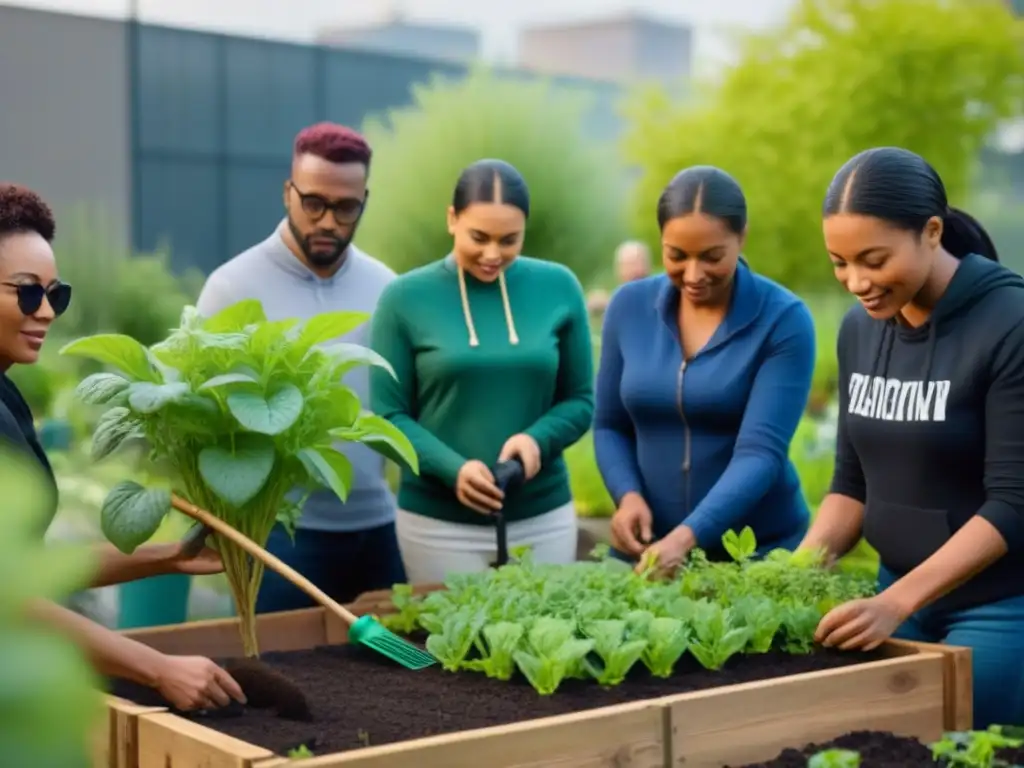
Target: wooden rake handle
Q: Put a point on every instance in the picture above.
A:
(251, 547)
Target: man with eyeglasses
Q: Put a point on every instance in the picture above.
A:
(308, 266)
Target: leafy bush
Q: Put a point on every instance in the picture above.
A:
(597, 620)
(49, 702)
(575, 184)
(242, 411)
(838, 77)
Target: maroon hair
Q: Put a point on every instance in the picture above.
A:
(334, 143)
(22, 210)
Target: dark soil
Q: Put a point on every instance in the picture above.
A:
(877, 750)
(359, 698)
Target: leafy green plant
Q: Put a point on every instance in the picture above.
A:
(835, 758)
(974, 749)
(577, 187)
(598, 619)
(242, 411)
(299, 753)
(49, 702)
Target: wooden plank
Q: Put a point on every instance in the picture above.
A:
(753, 722)
(219, 638)
(116, 740)
(169, 741)
(610, 737)
(958, 686)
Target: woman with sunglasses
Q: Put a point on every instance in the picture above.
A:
(31, 298)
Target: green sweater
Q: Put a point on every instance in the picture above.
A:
(456, 401)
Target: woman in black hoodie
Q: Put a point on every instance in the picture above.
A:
(31, 298)
(930, 449)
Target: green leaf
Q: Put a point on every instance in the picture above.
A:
(101, 388)
(131, 514)
(227, 378)
(236, 317)
(349, 356)
(237, 476)
(145, 397)
(271, 415)
(329, 468)
(120, 351)
(382, 436)
(328, 326)
(113, 428)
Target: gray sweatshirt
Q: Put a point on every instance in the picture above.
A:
(287, 288)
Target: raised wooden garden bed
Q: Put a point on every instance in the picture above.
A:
(914, 690)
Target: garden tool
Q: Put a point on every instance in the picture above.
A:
(363, 630)
(508, 475)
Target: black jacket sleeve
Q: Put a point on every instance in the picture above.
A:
(1004, 441)
(848, 476)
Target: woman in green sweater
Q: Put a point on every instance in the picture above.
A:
(492, 357)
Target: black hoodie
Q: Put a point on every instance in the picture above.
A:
(17, 431)
(931, 426)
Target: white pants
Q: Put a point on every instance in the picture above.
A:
(431, 548)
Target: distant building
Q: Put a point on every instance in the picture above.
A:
(621, 49)
(407, 38)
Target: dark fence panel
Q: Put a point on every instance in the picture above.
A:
(214, 116)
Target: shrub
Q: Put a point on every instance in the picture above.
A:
(576, 185)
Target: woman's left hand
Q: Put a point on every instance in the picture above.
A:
(669, 552)
(860, 625)
(524, 448)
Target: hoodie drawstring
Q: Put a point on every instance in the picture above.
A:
(474, 340)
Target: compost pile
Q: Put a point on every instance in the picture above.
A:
(598, 620)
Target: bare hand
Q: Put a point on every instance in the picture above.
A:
(668, 553)
(631, 525)
(206, 563)
(194, 682)
(861, 625)
(475, 488)
(524, 448)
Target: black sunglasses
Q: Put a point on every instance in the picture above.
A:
(31, 295)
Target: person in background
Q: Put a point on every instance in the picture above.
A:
(493, 358)
(930, 443)
(704, 375)
(632, 262)
(31, 298)
(309, 265)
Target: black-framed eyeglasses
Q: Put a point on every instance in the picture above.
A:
(346, 211)
(31, 295)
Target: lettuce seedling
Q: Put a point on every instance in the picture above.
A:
(835, 758)
(618, 654)
(553, 653)
(245, 411)
(741, 546)
(762, 617)
(499, 643)
(407, 607)
(974, 749)
(667, 641)
(799, 623)
(455, 640)
(716, 638)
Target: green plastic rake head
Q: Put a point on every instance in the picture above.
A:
(367, 631)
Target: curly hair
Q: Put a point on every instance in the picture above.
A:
(334, 143)
(22, 210)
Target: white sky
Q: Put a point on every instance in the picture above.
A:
(498, 20)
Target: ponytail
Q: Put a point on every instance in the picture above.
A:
(962, 234)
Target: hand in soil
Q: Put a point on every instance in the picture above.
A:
(860, 624)
(475, 488)
(194, 682)
(206, 563)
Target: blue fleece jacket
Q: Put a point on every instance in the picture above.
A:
(706, 441)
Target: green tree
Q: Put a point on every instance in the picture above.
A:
(577, 187)
(840, 76)
(48, 696)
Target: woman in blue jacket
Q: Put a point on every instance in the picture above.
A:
(705, 372)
